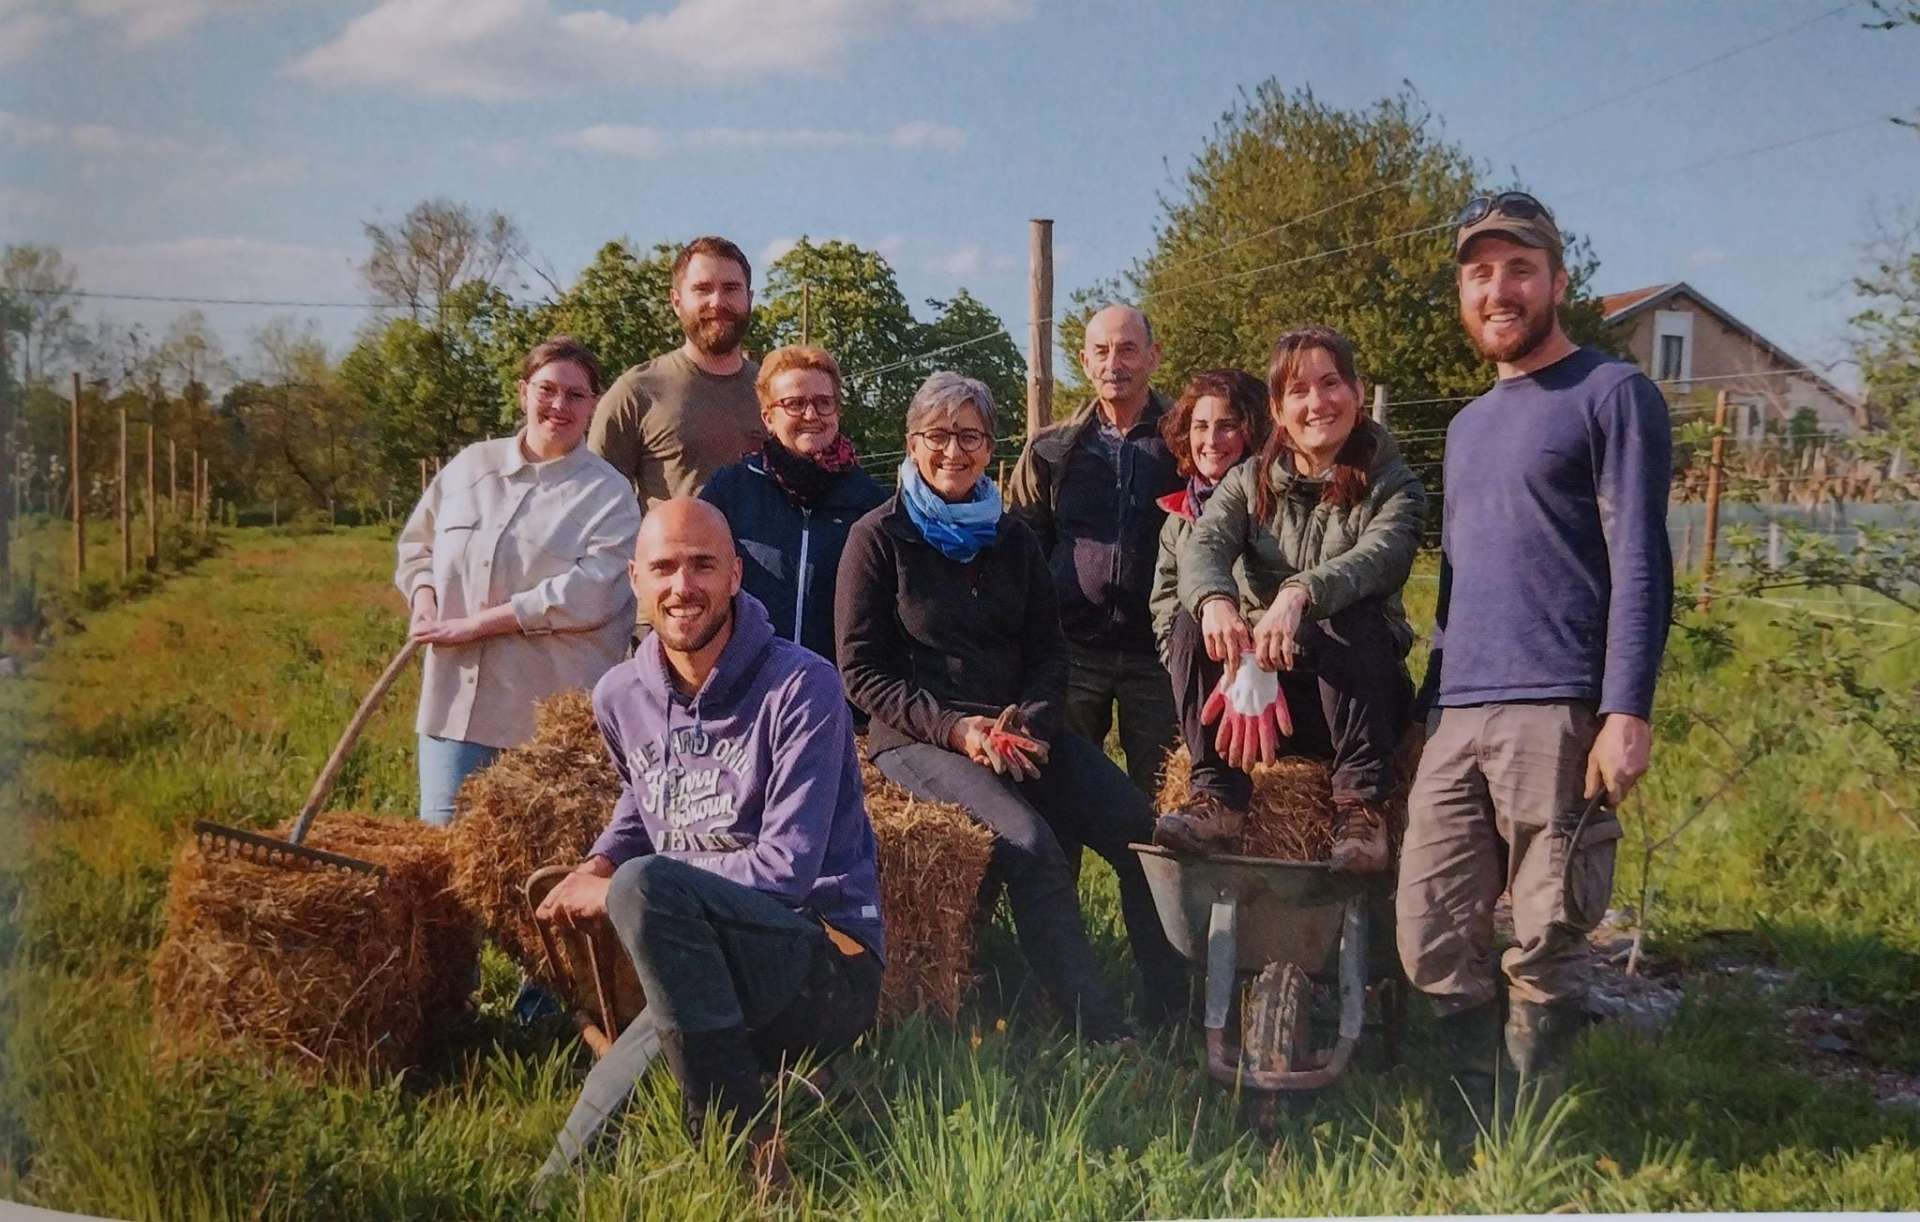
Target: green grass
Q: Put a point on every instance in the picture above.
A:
(218, 693)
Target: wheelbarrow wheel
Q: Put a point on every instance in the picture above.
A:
(1275, 1034)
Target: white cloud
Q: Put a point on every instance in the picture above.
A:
(620, 140)
(501, 49)
(1706, 257)
(774, 250)
(923, 134)
(640, 142)
(961, 263)
(93, 139)
(24, 29)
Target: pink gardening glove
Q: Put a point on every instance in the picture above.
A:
(1252, 713)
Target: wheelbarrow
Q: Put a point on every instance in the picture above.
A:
(589, 965)
(1284, 922)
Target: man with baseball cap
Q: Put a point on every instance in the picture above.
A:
(1556, 584)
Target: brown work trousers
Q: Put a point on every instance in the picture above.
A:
(1494, 809)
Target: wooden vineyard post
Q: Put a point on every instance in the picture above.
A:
(1713, 500)
(153, 507)
(75, 476)
(1380, 406)
(1040, 326)
(126, 503)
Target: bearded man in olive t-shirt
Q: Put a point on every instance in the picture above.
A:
(669, 424)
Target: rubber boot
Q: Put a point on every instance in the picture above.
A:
(1470, 1047)
(1359, 837)
(1202, 827)
(1539, 1042)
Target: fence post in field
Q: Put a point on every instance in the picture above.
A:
(1773, 545)
(9, 484)
(806, 312)
(173, 479)
(1040, 329)
(1713, 499)
(1380, 405)
(76, 477)
(206, 495)
(153, 503)
(126, 504)
(1686, 548)
(423, 477)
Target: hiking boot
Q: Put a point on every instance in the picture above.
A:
(1539, 1043)
(1469, 1046)
(1202, 827)
(1359, 837)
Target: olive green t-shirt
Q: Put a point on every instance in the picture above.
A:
(668, 425)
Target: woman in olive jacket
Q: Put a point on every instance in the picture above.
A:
(1323, 526)
(949, 633)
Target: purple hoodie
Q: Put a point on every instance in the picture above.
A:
(754, 777)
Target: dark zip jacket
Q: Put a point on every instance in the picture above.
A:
(789, 555)
(1098, 519)
(925, 640)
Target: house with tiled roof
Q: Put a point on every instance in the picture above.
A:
(1689, 343)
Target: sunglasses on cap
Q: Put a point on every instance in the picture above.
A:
(1514, 205)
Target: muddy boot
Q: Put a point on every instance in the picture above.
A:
(1203, 826)
(1359, 837)
(1469, 1047)
(1539, 1044)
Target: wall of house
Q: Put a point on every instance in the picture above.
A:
(1716, 350)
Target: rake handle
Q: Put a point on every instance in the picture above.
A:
(323, 784)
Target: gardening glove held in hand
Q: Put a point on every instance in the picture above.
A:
(1252, 712)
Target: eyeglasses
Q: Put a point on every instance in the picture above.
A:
(822, 405)
(970, 439)
(1515, 205)
(547, 392)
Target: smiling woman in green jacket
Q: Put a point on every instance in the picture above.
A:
(1322, 528)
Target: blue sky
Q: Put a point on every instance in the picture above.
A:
(232, 148)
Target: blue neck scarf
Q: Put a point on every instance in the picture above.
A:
(959, 531)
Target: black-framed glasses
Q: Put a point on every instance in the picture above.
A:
(797, 405)
(1515, 205)
(970, 439)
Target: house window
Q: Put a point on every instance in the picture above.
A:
(1672, 349)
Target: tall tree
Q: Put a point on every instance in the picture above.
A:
(41, 285)
(302, 429)
(618, 307)
(1886, 340)
(855, 311)
(1299, 212)
(968, 337)
(437, 247)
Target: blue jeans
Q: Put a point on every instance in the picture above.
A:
(444, 763)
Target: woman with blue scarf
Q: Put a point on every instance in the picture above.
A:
(950, 641)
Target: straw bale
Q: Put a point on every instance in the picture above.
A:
(1291, 815)
(322, 968)
(539, 804)
(932, 859)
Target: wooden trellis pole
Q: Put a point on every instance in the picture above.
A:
(1040, 326)
(153, 507)
(76, 476)
(173, 479)
(125, 503)
(1713, 499)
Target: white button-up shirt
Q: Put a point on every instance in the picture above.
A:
(553, 539)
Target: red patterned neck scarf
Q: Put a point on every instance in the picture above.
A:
(806, 478)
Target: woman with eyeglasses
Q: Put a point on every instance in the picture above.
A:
(950, 641)
(514, 566)
(791, 504)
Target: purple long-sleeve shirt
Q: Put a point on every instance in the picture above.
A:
(1556, 577)
(754, 777)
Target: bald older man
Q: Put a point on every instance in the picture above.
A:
(1089, 488)
(738, 868)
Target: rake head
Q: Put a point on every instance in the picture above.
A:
(273, 851)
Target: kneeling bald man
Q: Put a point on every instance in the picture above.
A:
(738, 869)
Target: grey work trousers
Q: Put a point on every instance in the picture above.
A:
(1494, 808)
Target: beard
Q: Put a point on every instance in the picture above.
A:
(1535, 330)
(695, 636)
(716, 334)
